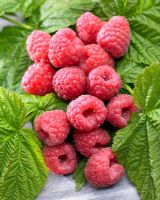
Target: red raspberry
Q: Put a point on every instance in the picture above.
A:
(88, 143)
(60, 159)
(52, 127)
(38, 79)
(114, 36)
(38, 45)
(69, 82)
(65, 49)
(95, 57)
(102, 169)
(103, 82)
(88, 25)
(86, 112)
(119, 110)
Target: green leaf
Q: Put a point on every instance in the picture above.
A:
(26, 7)
(129, 70)
(55, 15)
(22, 169)
(138, 145)
(79, 176)
(13, 57)
(39, 104)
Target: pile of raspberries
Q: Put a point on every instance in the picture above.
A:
(80, 69)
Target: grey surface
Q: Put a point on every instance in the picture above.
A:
(62, 187)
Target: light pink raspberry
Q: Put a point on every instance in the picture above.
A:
(37, 45)
(65, 49)
(95, 57)
(114, 36)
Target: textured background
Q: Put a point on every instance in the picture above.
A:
(62, 187)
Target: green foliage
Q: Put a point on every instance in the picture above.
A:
(22, 169)
(138, 145)
(13, 57)
(79, 176)
(55, 15)
(38, 104)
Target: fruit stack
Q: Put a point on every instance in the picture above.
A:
(79, 68)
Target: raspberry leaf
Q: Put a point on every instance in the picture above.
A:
(38, 104)
(55, 15)
(22, 169)
(138, 145)
(13, 57)
(25, 7)
(79, 176)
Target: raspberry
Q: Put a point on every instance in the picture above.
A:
(88, 25)
(119, 110)
(60, 159)
(69, 82)
(103, 82)
(96, 56)
(38, 79)
(52, 127)
(38, 45)
(65, 49)
(86, 112)
(114, 36)
(102, 169)
(88, 143)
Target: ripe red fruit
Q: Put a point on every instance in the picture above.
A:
(102, 170)
(52, 127)
(88, 143)
(65, 49)
(103, 82)
(38, 79)
(114, 36)
(69, 82)
(60, 159)
(37, 45)
(120, 109)
(86, 112)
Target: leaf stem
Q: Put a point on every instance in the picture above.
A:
(22, 25)
(127, 87)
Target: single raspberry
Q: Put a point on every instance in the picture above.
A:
(69, 82)
(88, 143)
(38, 79)
(86, 112)
(88, 25)
(52, 127)
(114, 36)
(119, 110)
(38, 45)
(102, 170)
(65, 49)
(103, 82)
(95, 57)
(60, 159)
